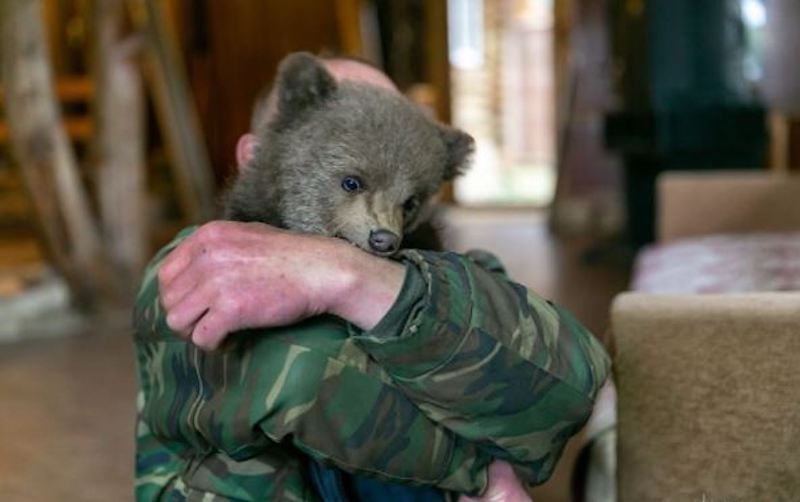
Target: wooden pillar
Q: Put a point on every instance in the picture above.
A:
(437, 63)
(437, 69)
(780, 139)
(119, 142)
(348, 19)
(566, 88)
(165, 74)
(41, 150)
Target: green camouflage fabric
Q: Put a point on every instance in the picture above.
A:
(467, 366)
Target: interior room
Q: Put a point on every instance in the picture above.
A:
(629, 171)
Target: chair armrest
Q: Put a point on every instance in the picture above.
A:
(707, 396)
(691, 204)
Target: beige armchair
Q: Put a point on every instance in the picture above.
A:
(709, 385)
(693, 204)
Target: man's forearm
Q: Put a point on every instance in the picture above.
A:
(492, 361)
(477, 353)
(292, 383)
(229, 276)
(371, 286)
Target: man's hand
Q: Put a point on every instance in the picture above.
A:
(229, 276)
(503, 486)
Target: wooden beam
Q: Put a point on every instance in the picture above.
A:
(79, 129)
(348, 18)
(566, 93)
(437, 63)
(70, 89)
(779, 129)
(437, 71)
(175, 109)
(41, 149)
(119, 145)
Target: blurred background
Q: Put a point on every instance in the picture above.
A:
(118, 126)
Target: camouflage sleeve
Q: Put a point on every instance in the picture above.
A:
(495, 370)
(158, 467)
(232, 423)
(491, 361)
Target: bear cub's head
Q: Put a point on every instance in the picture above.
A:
(345, 159)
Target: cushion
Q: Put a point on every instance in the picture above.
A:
(721, 264)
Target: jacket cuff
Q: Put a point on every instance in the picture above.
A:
(396, 321)
(429, 320)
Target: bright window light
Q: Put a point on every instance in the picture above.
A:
(754, 13)
(465, 33)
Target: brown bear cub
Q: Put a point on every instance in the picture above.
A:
(345, 159)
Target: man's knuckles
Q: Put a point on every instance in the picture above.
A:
(214, 231)
(227, 231)
(209, 332)
(169, 268)
(176, 321)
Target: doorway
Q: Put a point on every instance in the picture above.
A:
(503, 93)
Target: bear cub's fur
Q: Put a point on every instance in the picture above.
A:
(345, 159)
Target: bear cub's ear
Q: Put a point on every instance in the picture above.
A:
(460, 146)
(303, 82)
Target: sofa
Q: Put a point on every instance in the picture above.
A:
(707, 349)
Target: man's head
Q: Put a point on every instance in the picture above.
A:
(341, 69)
(342, 153)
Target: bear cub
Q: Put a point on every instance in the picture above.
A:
(345, 159)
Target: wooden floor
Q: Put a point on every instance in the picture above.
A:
(67, 405)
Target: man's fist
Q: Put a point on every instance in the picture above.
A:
(229, 276)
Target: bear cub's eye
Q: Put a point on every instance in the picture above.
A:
(352, 184)
(411, 204)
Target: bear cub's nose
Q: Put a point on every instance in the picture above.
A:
(384, 241)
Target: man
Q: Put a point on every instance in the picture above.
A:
(454, 336)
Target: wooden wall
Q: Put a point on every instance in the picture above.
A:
(232, 49)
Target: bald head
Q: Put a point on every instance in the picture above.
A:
(355, 71)
(341, 69)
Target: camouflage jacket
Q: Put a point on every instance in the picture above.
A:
(466, 366)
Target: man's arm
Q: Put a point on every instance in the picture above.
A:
(476, 352)
(490, 360)
(230, 276)
(290, 385)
